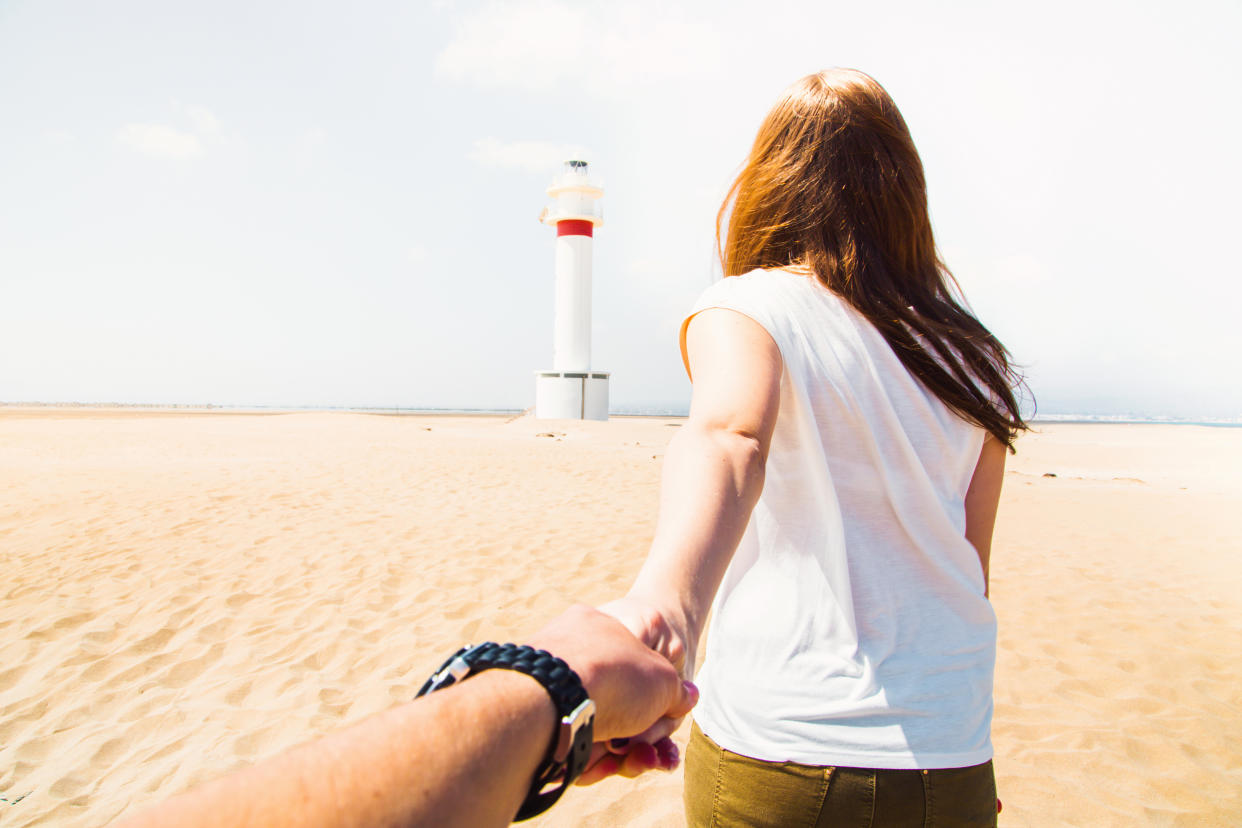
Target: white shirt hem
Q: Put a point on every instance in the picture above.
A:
(848, 759)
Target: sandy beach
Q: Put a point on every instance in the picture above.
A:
(187, 592)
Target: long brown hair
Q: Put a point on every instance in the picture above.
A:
(834, 184)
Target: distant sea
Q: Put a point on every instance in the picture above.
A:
(1235, 422)
(674, 411)
(620, 411)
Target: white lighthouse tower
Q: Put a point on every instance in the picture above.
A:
(571, 390)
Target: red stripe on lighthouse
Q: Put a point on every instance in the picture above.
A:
(575, 227)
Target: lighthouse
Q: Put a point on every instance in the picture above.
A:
(571, 390)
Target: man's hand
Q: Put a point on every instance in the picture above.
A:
(638, 693)
(665, 633)
(632, 685)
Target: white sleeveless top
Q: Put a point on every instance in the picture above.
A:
(851, 627)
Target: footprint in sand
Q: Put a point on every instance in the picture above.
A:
(334, 703)
(333, 696)
(238, 695)
(102, 637)
(458, 610)
(184, 672)
(35, 750)
(96, 670)
(401, 692)
(167, 750)
(216, 630)
(11, 676)
(108, 752)
(1142, 706)
(471, 629)
(144, 707)
(15, 715)
(139, 671)
(384, 604)
(254, 744)
(315, 660)
(239, 600)
(58, 628)
(153, 643)
(178, 618)
(68, 786)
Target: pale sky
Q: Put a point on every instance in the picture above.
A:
(293, 203)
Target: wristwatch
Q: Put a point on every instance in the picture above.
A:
(571, 746)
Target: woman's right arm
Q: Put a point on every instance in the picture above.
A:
(982, 500)
(713, 474)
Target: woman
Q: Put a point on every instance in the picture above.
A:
(832, 495)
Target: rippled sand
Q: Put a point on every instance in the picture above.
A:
(184, 593)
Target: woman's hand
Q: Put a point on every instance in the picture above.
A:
(629, 758)
(663, 629)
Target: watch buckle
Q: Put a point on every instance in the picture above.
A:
(456, 670)
(570, 725)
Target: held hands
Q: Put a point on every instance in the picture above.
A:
(665, 633)
(639, 695)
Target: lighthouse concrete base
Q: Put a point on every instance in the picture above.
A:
(571, 395)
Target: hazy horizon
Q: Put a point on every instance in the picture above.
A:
(671, 410)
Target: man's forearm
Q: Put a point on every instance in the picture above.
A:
(490, 734)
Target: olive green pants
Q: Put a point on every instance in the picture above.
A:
(726, 789)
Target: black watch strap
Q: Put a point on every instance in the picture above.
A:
(571, 745)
